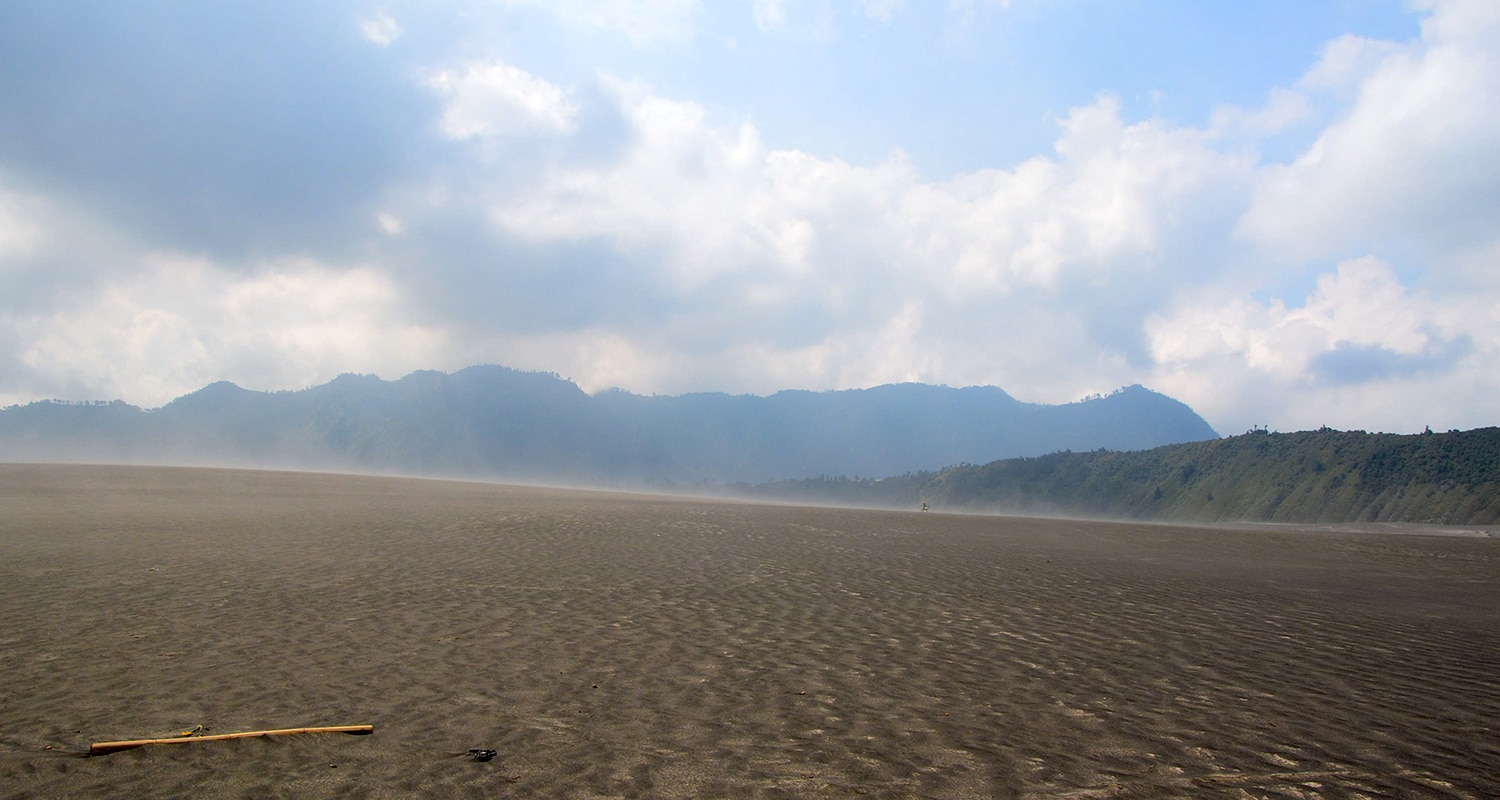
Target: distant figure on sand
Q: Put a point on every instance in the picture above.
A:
(924, 506)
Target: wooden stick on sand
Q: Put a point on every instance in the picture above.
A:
(100, 748)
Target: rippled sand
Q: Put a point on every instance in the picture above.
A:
(612, 645)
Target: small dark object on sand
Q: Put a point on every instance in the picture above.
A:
(481, 754)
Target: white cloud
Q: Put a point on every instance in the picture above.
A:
(713, 200)
(768, 14)
(1472, 21)
(21, 229)
(820, 16)
(381, 29)
(1360, 330)
(627, 237)
(1346, 62)
(50, 249)
(1362, 303)
(489, 99)
(1034, 277)
(178, 324)
(719, 200)
(391, 224)
(1414, 163)
(1111, 201)
(897, 277)
(1284, 109)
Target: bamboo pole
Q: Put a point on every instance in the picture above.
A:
(100, 748)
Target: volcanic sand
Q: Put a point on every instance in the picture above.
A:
(610, 645)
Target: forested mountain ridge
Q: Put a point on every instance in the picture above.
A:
(1312, 476)
(497, 423)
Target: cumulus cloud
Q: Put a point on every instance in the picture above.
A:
(702, 199)
(1284, 109)
(1360, 329)
(381, 29)
(772, 15)
(1413, 164)
(434, 205)
(1346, 62)
(496, 99)
(179, 322)
(864, 256)
(1112, 203)
(1361, 304)
(1361, 364)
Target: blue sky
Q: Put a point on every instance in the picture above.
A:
(1280, 213)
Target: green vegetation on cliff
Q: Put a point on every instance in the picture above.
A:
(1313, 476)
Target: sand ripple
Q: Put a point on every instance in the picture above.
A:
(623, 646)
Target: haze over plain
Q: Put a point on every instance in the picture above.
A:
(1281, 214)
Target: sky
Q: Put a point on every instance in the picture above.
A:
(1285, 214)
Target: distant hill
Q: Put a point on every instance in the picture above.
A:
(1315, 476)
(494, 422)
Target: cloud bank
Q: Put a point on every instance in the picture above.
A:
(275, 195)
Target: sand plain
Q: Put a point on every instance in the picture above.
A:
(610, 645)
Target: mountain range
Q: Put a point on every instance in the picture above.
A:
(492, 422)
